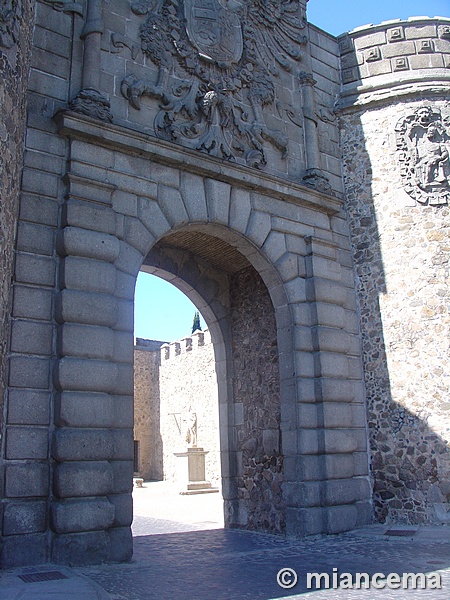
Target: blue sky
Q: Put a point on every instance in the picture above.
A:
(337, 17)
(164, 313)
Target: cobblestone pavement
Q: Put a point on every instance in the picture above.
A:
(239, 565)
(181, 553)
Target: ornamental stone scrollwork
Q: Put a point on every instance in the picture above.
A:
(423, 147)
(9, 24)
(217, 61)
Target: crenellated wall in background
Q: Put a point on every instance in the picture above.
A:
(172, 381)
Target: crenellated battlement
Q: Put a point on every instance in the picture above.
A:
(197, 340)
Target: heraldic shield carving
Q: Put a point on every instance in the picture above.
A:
(215, 31)
(217, 61)
(423, 146)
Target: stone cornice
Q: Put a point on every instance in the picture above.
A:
(128, 141)
(371, 95)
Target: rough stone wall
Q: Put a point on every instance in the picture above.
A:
(257, 393)
(147, 408)
(401, 252)
(188, 384)
(16, 18)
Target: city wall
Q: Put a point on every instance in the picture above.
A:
(171, 382)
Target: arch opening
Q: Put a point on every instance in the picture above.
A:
(235, 302)
(176, 430)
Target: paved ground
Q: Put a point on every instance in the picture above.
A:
(191, 558)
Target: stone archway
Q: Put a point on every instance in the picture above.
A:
(124, 194)
(241, 318)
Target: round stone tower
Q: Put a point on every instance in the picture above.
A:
(395, 139)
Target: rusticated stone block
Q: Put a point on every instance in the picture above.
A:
(86, 375)
(339, 466)
(87, 275)
(152, 217)
(24, 517)
(123, 504)
(26, 443)
(28, 407)
(218, 200)
(258, 227)
(121, 544)
(124, 385)
(31, 337)
(33, 303)
(82, 444)
(39, 270)
(301, 522)
(338, 441)
(29, 372)
(345, 491)
(26, 480)
(36, 239)
(86, 215)
(122, 444)
(129, 259)
(193, 191)
(324, 290)
(85, 341)
(89, 514)
(77, 549)
(172, 205)
(341, 518)
(240, 209)
(78, 409)
(90, 308)
(123, 476)
(337, 390)
(24, 550)
(75, 241)
(364, 513)
(75, 479)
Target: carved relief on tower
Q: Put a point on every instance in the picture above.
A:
(217, 63)
(423, 149)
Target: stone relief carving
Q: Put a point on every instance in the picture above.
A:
(9, 25)
(423, 145)
(217, 60)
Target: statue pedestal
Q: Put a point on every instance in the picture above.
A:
(191, 472)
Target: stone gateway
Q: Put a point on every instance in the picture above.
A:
(295, 186)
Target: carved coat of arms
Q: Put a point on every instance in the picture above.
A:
(423, 145)
(214, 30)
(217, 60)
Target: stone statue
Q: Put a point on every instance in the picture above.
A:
(191, 433)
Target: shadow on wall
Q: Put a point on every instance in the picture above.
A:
(400, 249)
